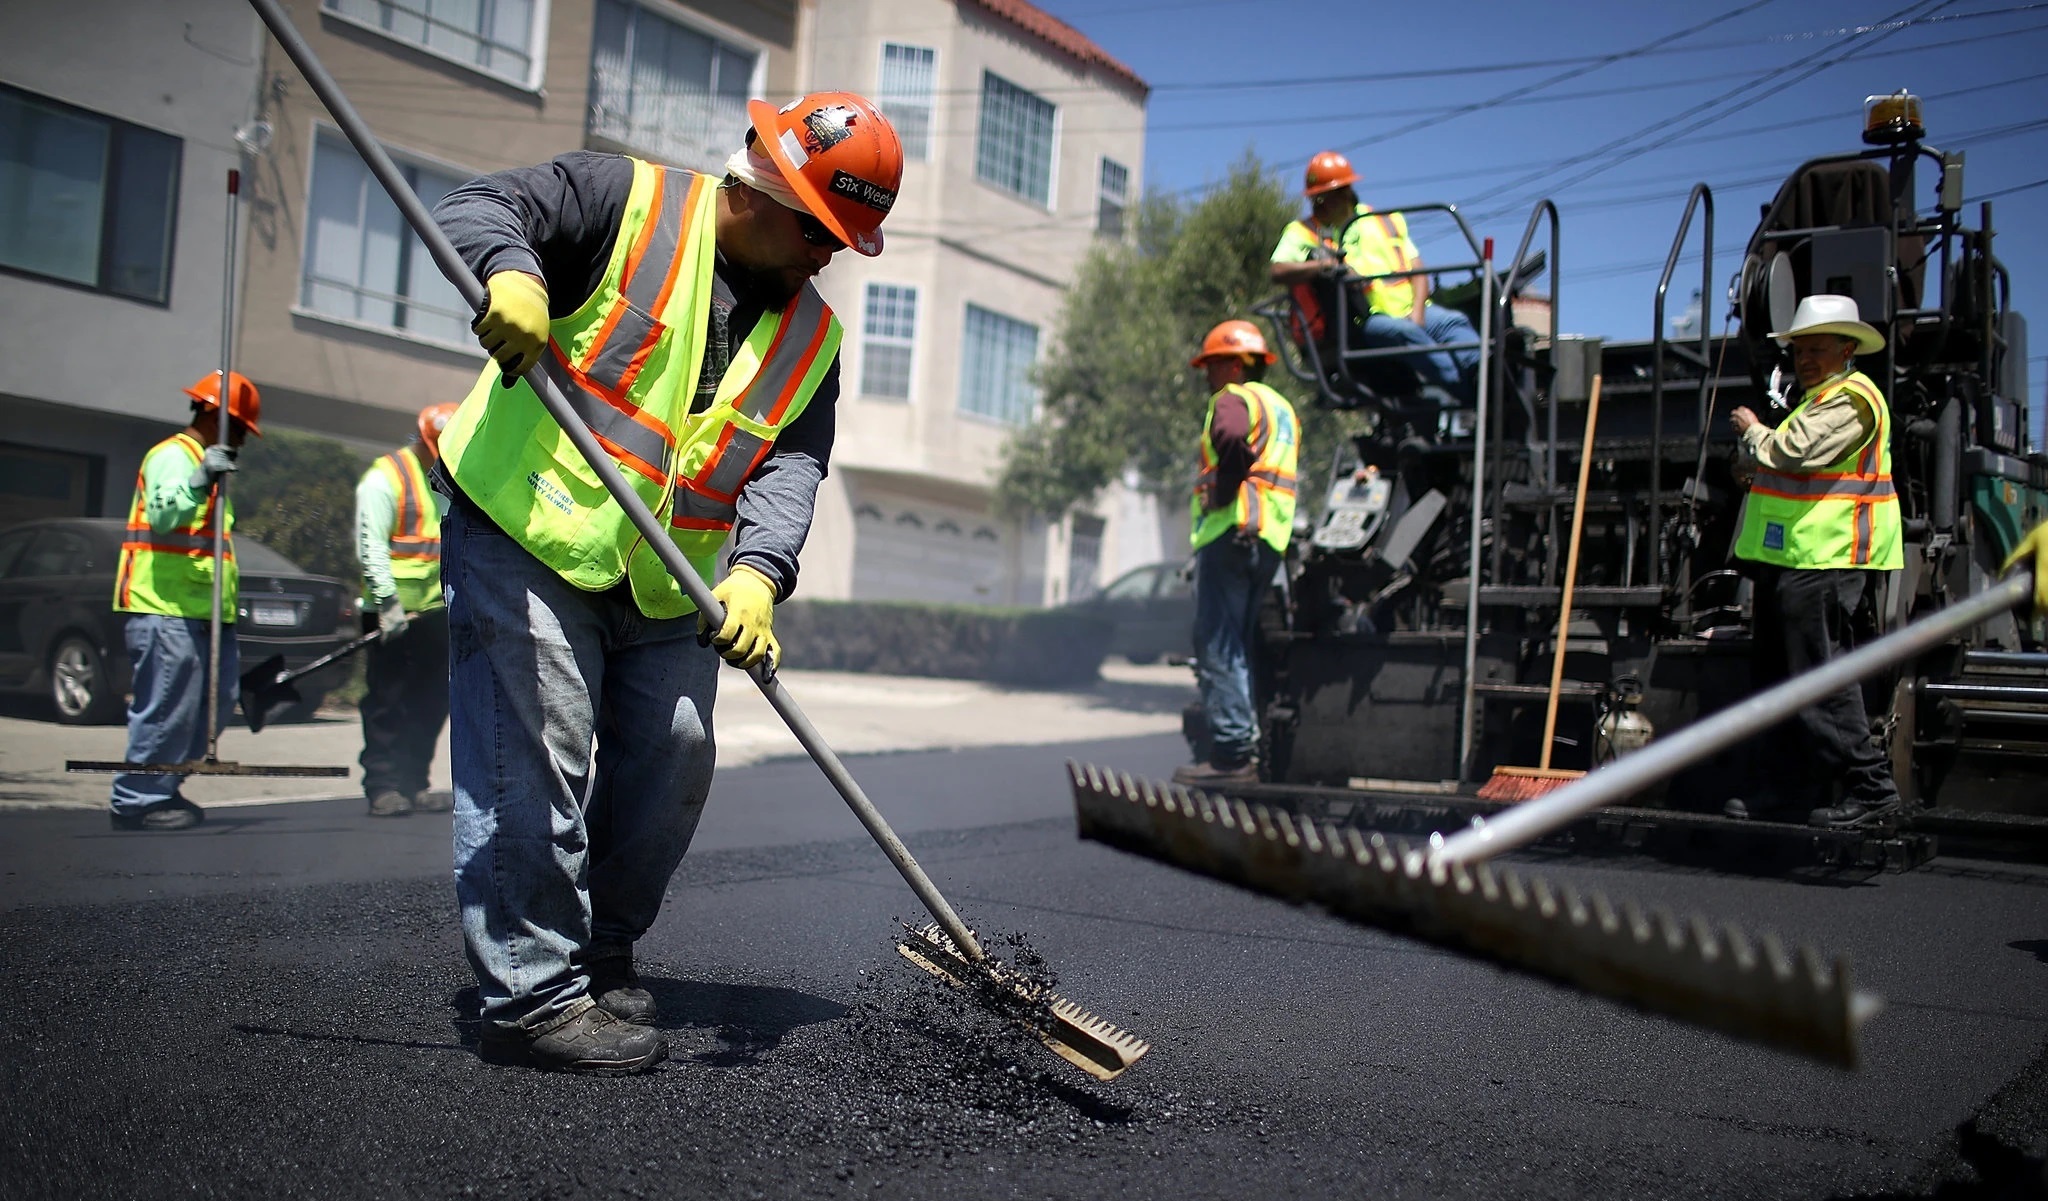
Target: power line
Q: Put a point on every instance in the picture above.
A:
(2025, 187)
(1517, 93)
(1878, 54)
(1798, 71)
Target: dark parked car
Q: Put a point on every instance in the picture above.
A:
(60, 637)
(1152, 609)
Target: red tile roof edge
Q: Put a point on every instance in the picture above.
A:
(1062, 36)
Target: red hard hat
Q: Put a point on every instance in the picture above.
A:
(1327, 172)
(244, 405)
(840, 155)
(434, 419)
(1230, 340)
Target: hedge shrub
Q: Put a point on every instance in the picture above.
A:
(1025, 647)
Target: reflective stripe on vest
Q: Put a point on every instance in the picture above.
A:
(416, 527)
(597, 380)
(706, 498)
(1265, 502)
(1845, 516)
(171, 572)
(415, 538)
(1392, 297)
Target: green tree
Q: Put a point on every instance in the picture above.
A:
(1116, 388)
(296, 493)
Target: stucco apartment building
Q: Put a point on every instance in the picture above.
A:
(1025, 145)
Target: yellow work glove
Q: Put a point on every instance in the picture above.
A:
(748, 634)
(2035, 547)
(513, 325)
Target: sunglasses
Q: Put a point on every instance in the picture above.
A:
(816, 234)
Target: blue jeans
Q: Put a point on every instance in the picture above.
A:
(1452, 370)
(167, 710)
(580, 739)
(1230, 580)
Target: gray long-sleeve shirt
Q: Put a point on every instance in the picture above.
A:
(559, 221)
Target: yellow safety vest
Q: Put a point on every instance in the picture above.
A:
(415, 531)
(1844, 516)
(1264, 505)
(628, 361)
(1379, 247)
(171, 573)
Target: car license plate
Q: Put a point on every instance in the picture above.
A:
(274, 613)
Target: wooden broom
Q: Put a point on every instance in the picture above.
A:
(1526, 783)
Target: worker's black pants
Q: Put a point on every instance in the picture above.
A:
(1803, 619)
(405, 705)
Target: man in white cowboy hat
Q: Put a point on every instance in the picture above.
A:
(1822, 519)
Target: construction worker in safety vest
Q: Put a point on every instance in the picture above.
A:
(165, 585)
(1819, 524)
(1346, 239)
(677, 314)
(1241, 516)
(398, 542)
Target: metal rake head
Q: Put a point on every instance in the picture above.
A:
(1713, 976)
(1099, 1048)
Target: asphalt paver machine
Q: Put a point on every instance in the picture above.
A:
(1391, 674)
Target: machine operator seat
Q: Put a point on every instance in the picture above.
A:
(1385, 385)
(1835, 194)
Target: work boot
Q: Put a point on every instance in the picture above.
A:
(173, 813)
(388, 802)
(615, 986)
(1856, 815)
(586, 1040)
(1217, 775)
(426, 800)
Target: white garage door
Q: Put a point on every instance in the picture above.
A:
(919, 550)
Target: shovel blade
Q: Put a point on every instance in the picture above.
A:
(264, 695)
(1098, 1048)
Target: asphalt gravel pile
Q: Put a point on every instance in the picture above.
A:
(246, 1039)
(234, 1047)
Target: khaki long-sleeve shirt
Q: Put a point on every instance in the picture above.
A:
(1813, 437)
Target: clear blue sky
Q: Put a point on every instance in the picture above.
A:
(1228, 75)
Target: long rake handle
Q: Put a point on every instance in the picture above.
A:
(1533, 819)
(1571, 575)
(473, 294)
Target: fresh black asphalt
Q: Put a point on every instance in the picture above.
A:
(276, 1005)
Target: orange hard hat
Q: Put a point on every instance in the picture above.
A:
(1327, 172)
(434, 419)
(244, 405)
(1231, 339)
(841, 157)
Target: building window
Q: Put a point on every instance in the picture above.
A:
(86, 199)
(362, 263)
(1014, 149)
(905, 95)
(889, 332)
(666, 89)
(995, 367)
(494, 36)
(1112, 199)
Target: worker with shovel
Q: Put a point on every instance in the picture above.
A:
(165, 585)
(676, 312)
(398, 541)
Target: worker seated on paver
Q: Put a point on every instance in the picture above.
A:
(1344, 242)
(676, 312)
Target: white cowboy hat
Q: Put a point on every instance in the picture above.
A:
(1832, 315)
